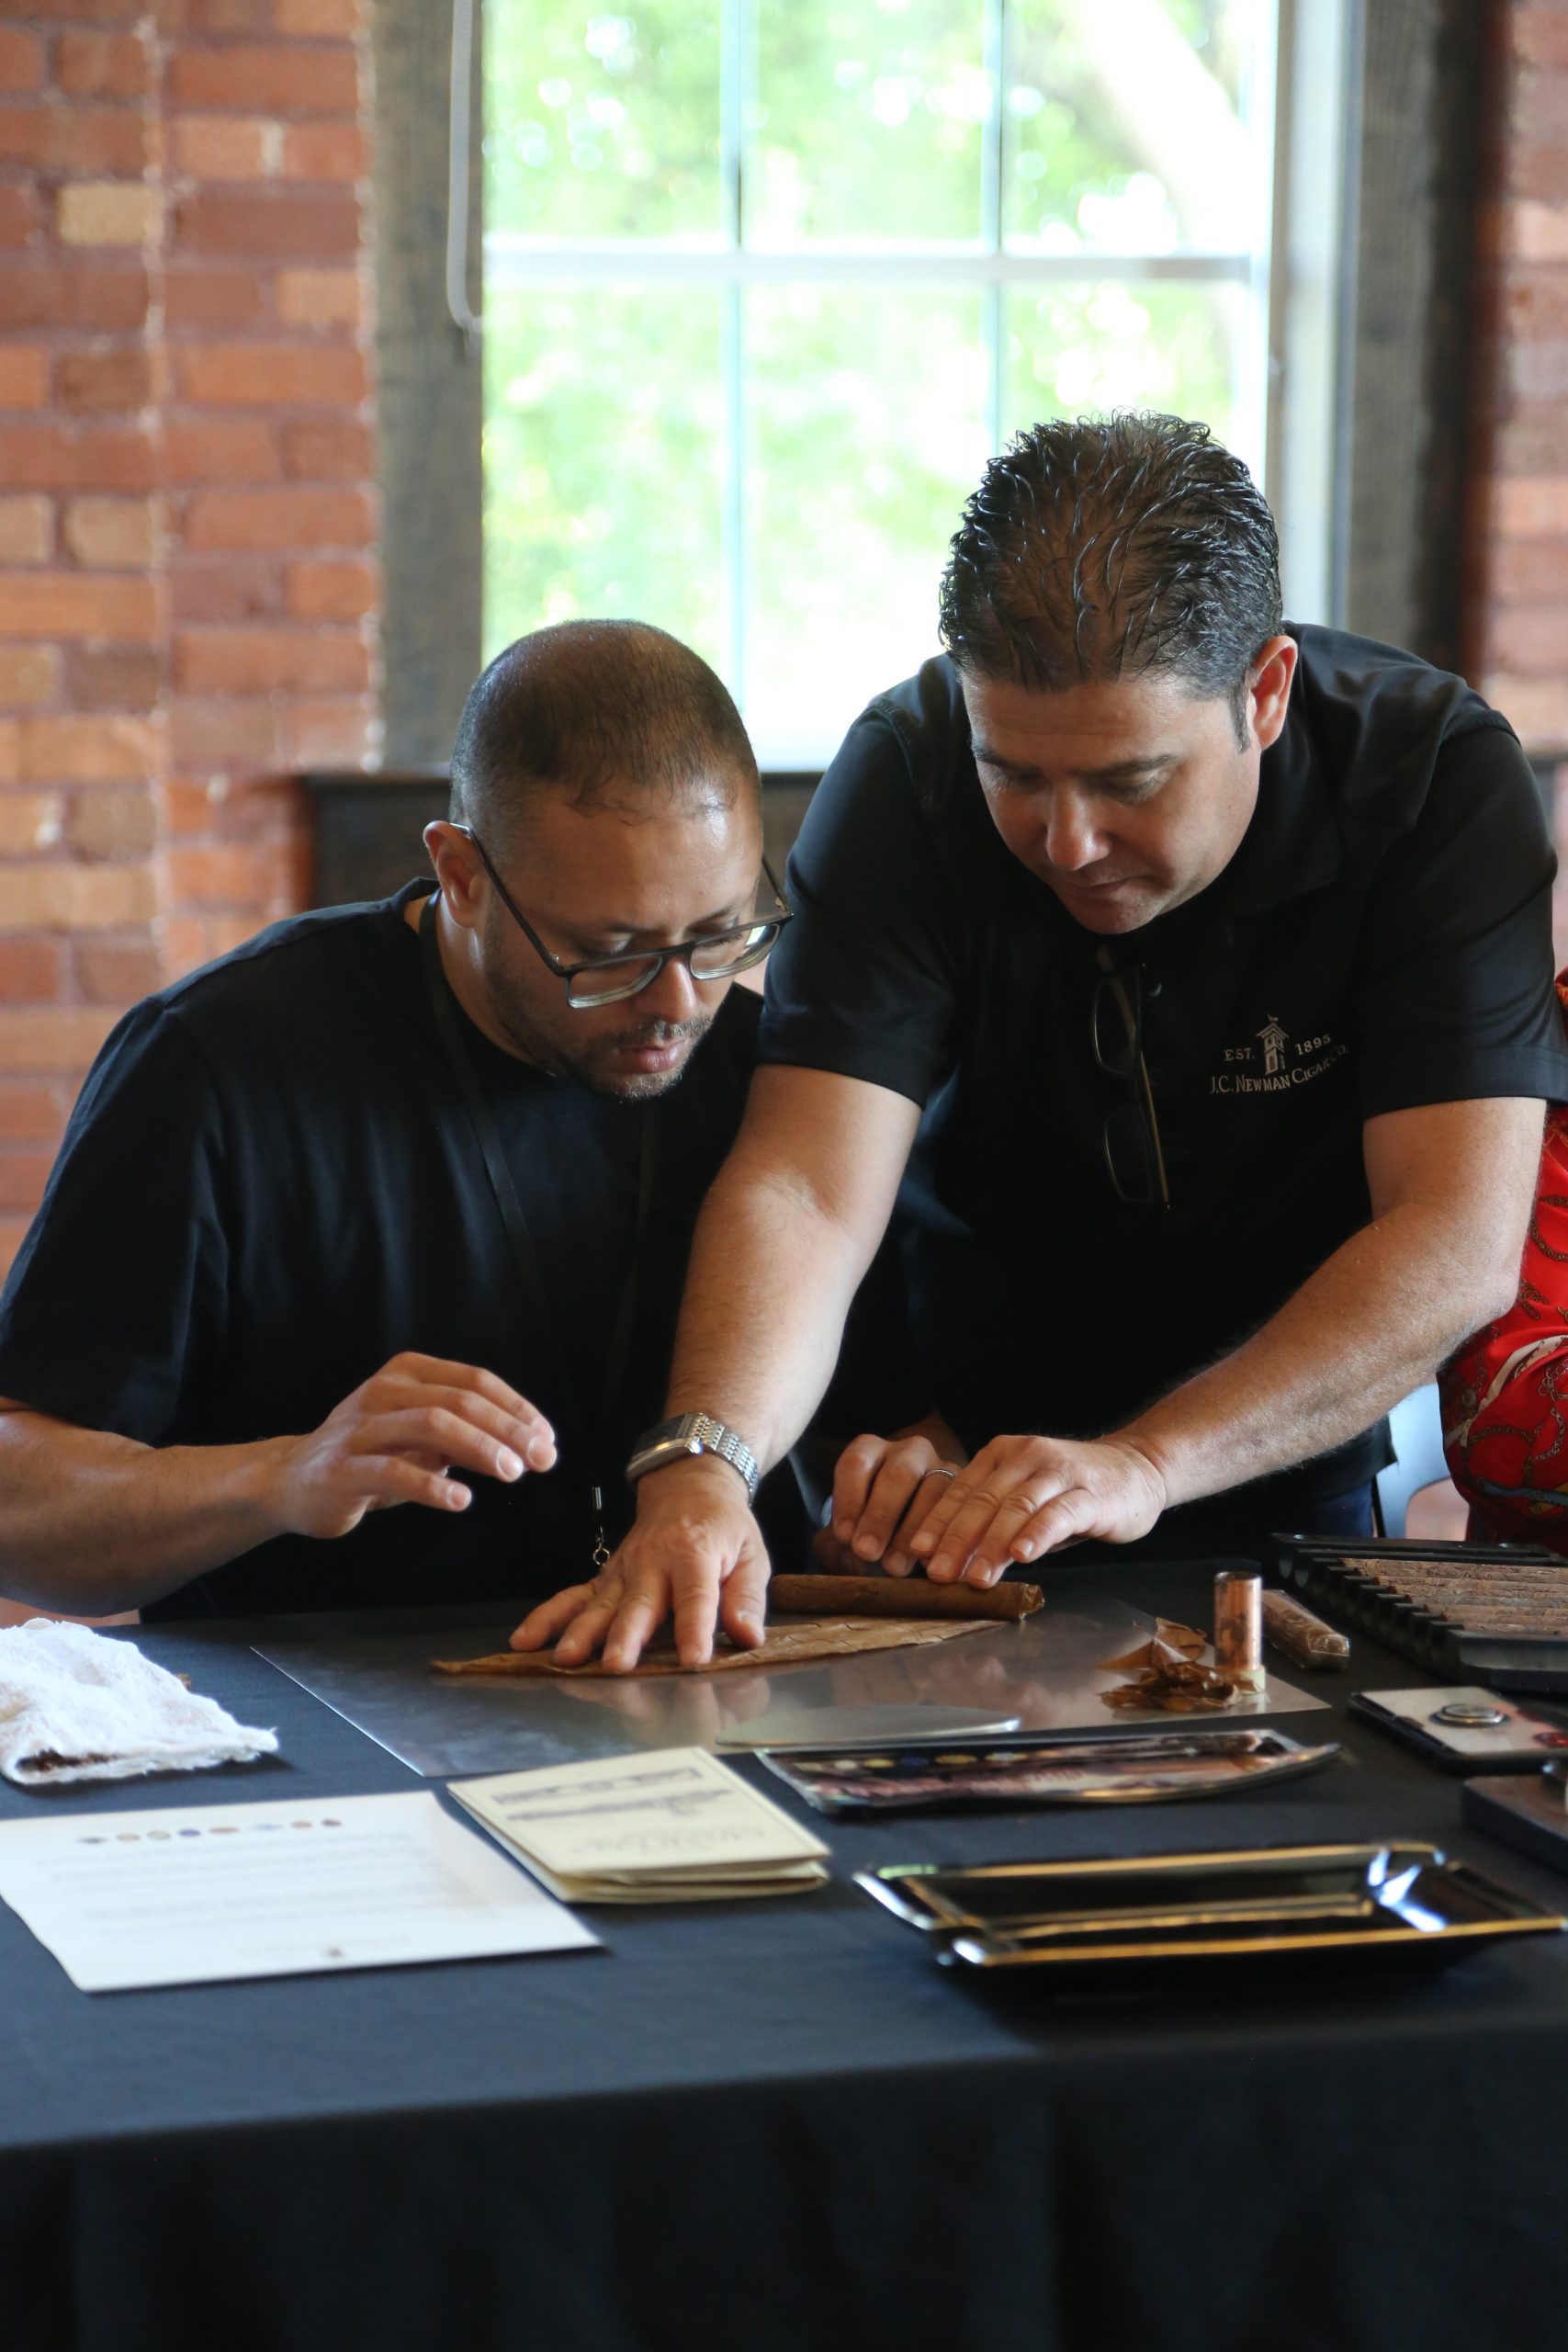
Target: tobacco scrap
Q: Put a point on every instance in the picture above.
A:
(1169, 1674)
(1168, 1637)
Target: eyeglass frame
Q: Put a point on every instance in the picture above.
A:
(1114, 981)
(658, 957)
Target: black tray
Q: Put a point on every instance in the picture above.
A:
(1118, 1920)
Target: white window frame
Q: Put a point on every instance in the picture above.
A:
(1294, 276)
(1311, 351)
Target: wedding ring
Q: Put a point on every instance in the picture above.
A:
(937, 1470)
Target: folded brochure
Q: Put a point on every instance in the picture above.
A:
(675, 1825)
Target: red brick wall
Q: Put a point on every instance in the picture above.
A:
(1518, 585)
(187, 513)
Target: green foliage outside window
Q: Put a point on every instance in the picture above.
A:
(867, 410)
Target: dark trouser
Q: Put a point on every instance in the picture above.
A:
(1238, 1526)
(1346, 1514)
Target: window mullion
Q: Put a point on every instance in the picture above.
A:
(590, 260)
(733, 533)
(993, 304)
(734, 83)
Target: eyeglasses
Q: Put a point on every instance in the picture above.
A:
(1130, 1135)
(605, 979)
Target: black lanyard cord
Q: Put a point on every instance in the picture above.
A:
(535, 1297)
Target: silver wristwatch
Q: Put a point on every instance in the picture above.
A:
(690, 1433)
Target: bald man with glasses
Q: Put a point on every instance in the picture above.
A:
(392, 1206)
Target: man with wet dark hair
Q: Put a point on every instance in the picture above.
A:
(392, 1206)
(1191, 974)
(1140, 545)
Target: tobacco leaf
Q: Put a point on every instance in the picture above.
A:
(792, 1644)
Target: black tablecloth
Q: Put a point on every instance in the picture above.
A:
(780, 2124)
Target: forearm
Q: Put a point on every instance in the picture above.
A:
(772, 1276)
(1373, 1323)
(92, 1523)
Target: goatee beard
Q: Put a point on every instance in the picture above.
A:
(589, 1068)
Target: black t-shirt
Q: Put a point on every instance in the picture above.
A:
(271, 1184)
(1381, 939)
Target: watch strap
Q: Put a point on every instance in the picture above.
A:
(690, 1434)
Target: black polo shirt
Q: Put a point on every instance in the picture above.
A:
(1381, 939)
(271, 1185)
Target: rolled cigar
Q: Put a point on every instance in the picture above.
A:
(900, 1597)
(1301, 1636)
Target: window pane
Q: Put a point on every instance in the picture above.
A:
(1124, 125)
(868, 432)
(602, 473)
(866, 120)
(1181, 349)
(602, 126)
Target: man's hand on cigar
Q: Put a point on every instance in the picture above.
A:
(914, 1505)
(884, 1489)
(1023, 1496)
(697, 1553)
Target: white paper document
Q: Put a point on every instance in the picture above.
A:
(674, 1826)
(190, 1895)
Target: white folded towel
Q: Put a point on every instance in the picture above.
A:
(76, 1706)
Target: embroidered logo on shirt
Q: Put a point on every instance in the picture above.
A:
(1286, 1062)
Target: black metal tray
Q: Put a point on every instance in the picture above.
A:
(1117, 1921)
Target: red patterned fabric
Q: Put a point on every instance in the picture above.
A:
(1505, 1396)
